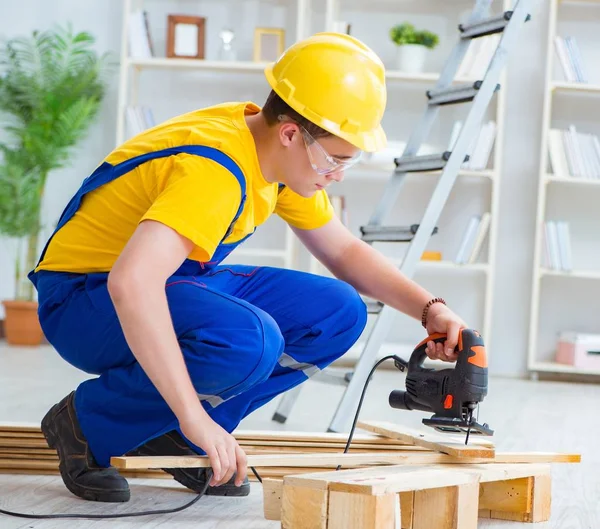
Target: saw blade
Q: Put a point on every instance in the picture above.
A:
(470, 420)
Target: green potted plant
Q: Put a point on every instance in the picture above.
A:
(412, 46)
(51, 87)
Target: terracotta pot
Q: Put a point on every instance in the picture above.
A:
(21, 324)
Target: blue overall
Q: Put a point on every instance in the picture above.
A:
(247, 334)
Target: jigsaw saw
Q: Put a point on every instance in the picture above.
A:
(452, 394)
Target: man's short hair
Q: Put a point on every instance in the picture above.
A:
(275, 107)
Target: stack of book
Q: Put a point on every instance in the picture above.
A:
(574, 154)
(570, 59)
(139, 118)
(557, 247)
(140, 41)
(478, 56)
(473, 239)
(481, 147)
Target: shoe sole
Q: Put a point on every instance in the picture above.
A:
(223, 490)
(78, 490)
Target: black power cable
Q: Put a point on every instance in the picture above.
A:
(208, 474)
(120, 515)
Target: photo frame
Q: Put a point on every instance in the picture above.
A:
(185, 37)
(269, 44)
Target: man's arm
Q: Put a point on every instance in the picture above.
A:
(136, 285)
(374, 275)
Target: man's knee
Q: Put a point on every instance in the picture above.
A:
(348, 311)
(227, 360)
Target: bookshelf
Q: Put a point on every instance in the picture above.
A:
(566, 274)
(468, 287)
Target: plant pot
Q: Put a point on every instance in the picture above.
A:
(411, 58)
(21, 324)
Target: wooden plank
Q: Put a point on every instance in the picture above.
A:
(7, 442)
(332, 460)
(360, 511)
(243, 436)
(542, 498)
(30, 451)
(407, 500)
(403, 478)
(268, 435)
(446, 508)
(272, 492)
(304, 507)
(326, 460)
(440, 442)
(512, 495)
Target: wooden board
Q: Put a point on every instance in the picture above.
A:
(329, 460)
(447, 444)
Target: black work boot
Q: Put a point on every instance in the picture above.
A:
(172, 444)
(78, 468)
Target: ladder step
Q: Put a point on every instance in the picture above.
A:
(455, 94)
(487, 26)
(373, 306)
(390, 233)
(423, 163)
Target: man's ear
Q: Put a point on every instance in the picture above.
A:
(287, 131)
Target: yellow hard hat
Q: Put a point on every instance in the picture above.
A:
(336, 82)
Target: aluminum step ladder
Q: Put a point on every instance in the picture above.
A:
(479, 94)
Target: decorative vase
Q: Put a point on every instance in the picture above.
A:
(411, 58)
(226, 51)
(21, 324)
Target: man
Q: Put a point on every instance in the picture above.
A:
(130, 286)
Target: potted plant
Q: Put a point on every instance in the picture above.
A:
(412, 46)
(51, 87)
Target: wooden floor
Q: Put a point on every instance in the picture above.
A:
(526, 415)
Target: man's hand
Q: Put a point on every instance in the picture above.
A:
(440, 319)
(225, 454)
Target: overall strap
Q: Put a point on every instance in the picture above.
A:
(106, 173)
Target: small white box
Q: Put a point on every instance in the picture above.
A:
(579, 350)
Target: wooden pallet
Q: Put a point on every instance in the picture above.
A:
(415, 497)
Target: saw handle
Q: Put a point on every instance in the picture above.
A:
(468, 339)
(419, 354)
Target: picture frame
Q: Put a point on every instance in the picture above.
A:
(269, 44)
(185, 37)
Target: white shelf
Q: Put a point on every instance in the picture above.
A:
(251, 66)
(572, 180)
(378, 172)
(197, 64)
(448, 266)
(583, 2)
(575, 274)
(554, 367)
(451, 266)
(427, 77)
(564, 86)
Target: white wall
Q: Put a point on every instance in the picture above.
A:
(179, 92)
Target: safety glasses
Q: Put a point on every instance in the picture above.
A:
(321, 161)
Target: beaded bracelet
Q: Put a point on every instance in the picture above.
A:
(426, 309)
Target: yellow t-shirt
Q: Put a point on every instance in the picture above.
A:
(195, 196)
